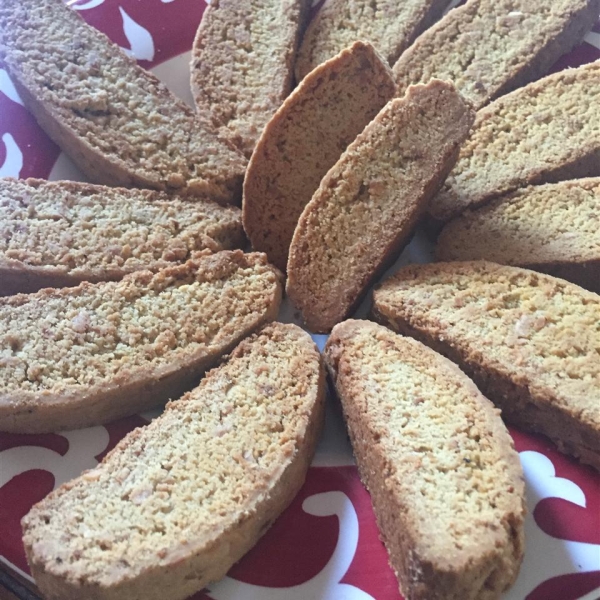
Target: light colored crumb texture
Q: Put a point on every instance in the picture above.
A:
(369, 202)
(445, 480)
(57, 340)
(118, 111)
(533, 324)
(303, 141)
(539, 225)
(243, 60)
(490, 47)
(387, 24)
(525, 329)
(171, 490)
(545, 132)
(95, 232)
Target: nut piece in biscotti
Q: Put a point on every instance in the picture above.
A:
(368, 204)
(491, 47)
(179, 501)
(243, 61)
(445, 480)
(58, 234)
(82, 356)
(553, 228)
(529, 341)
(305, 138)
(118, 123)
(389, 25)
(546, 132)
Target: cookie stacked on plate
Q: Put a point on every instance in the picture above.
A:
(338, 138)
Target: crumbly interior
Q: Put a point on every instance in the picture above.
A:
(317, 123)
(371, 199)
(177, 484)
(60, 339)
(447, 457)
(524, 138)
(387, 24)
(553, 223)
(243, 60)
(479, 45)
(530, 326)
(108, 101)
(84, 229)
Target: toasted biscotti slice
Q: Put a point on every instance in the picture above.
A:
(178, 502)
(243, 62)
(545, 132)
(551, 228)
(305, 138)
(445, 480)
(389, 25)
(57, 234)
(87, 355)
(118, 123)
(368, 204)
(491, 47)
(529, 341)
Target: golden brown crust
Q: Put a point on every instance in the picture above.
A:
(305, 137)
(118, 123)
(389, 25)
(551, 228)
(58, 234)
(242, 63)
(81, 356)
(528, 340)
(253, 469)
(445, 481)
(545, 132)
(491, 47)
(368, 204)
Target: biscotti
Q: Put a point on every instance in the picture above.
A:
(390, 26)
(545, 132)
(491, 47)
(86, 355)
(62, 233)
(529, 341)
(551, 228)
(305, 138)
(179, 501)
(243, 61)
(368, 204)
(445, 480)
(116, 121)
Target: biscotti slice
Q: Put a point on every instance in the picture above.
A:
(491, 47)
(529, 341)
(368, 204)
(546, 132)
(179, 501)
(551, 228)
(118, 123)
(445, 480)
(389, 25)
(305, 138)
(62, 233)
(87, 355)
(243, 61)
